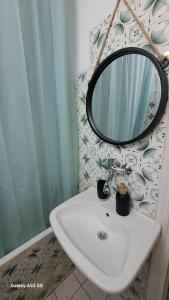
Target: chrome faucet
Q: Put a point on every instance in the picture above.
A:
(113, 167)
(107, 185)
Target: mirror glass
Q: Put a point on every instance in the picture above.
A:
(126, 97)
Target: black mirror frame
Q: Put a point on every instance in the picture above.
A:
(164, 92)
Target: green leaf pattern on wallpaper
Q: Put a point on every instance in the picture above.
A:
(143, 156)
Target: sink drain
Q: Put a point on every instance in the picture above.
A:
(102, 235)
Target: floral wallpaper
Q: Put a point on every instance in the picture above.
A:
(143, 156)
(41, 268)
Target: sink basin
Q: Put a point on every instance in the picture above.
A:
(107, 248)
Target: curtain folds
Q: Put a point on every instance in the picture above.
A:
(38, 127)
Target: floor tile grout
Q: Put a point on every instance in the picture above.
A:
(79, 280)
(87, 293)
(81, 286)
(56, 296)
(75, 292)
(59, 285)
(51, 294)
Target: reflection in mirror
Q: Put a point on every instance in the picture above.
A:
(126, 97)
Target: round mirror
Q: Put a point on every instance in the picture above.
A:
(127, 96)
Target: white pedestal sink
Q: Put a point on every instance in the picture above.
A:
(107, 248)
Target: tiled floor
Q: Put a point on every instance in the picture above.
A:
(78, 287)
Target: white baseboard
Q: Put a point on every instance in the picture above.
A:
(25, 246)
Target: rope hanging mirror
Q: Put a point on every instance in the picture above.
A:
(128, 91)
(163, 58)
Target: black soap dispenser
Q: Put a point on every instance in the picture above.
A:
(122, 200)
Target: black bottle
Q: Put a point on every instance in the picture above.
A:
(122, 201)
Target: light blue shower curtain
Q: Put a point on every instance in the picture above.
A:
(38, 128)
(122, 94)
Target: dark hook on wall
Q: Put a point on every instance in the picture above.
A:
(165, 63)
